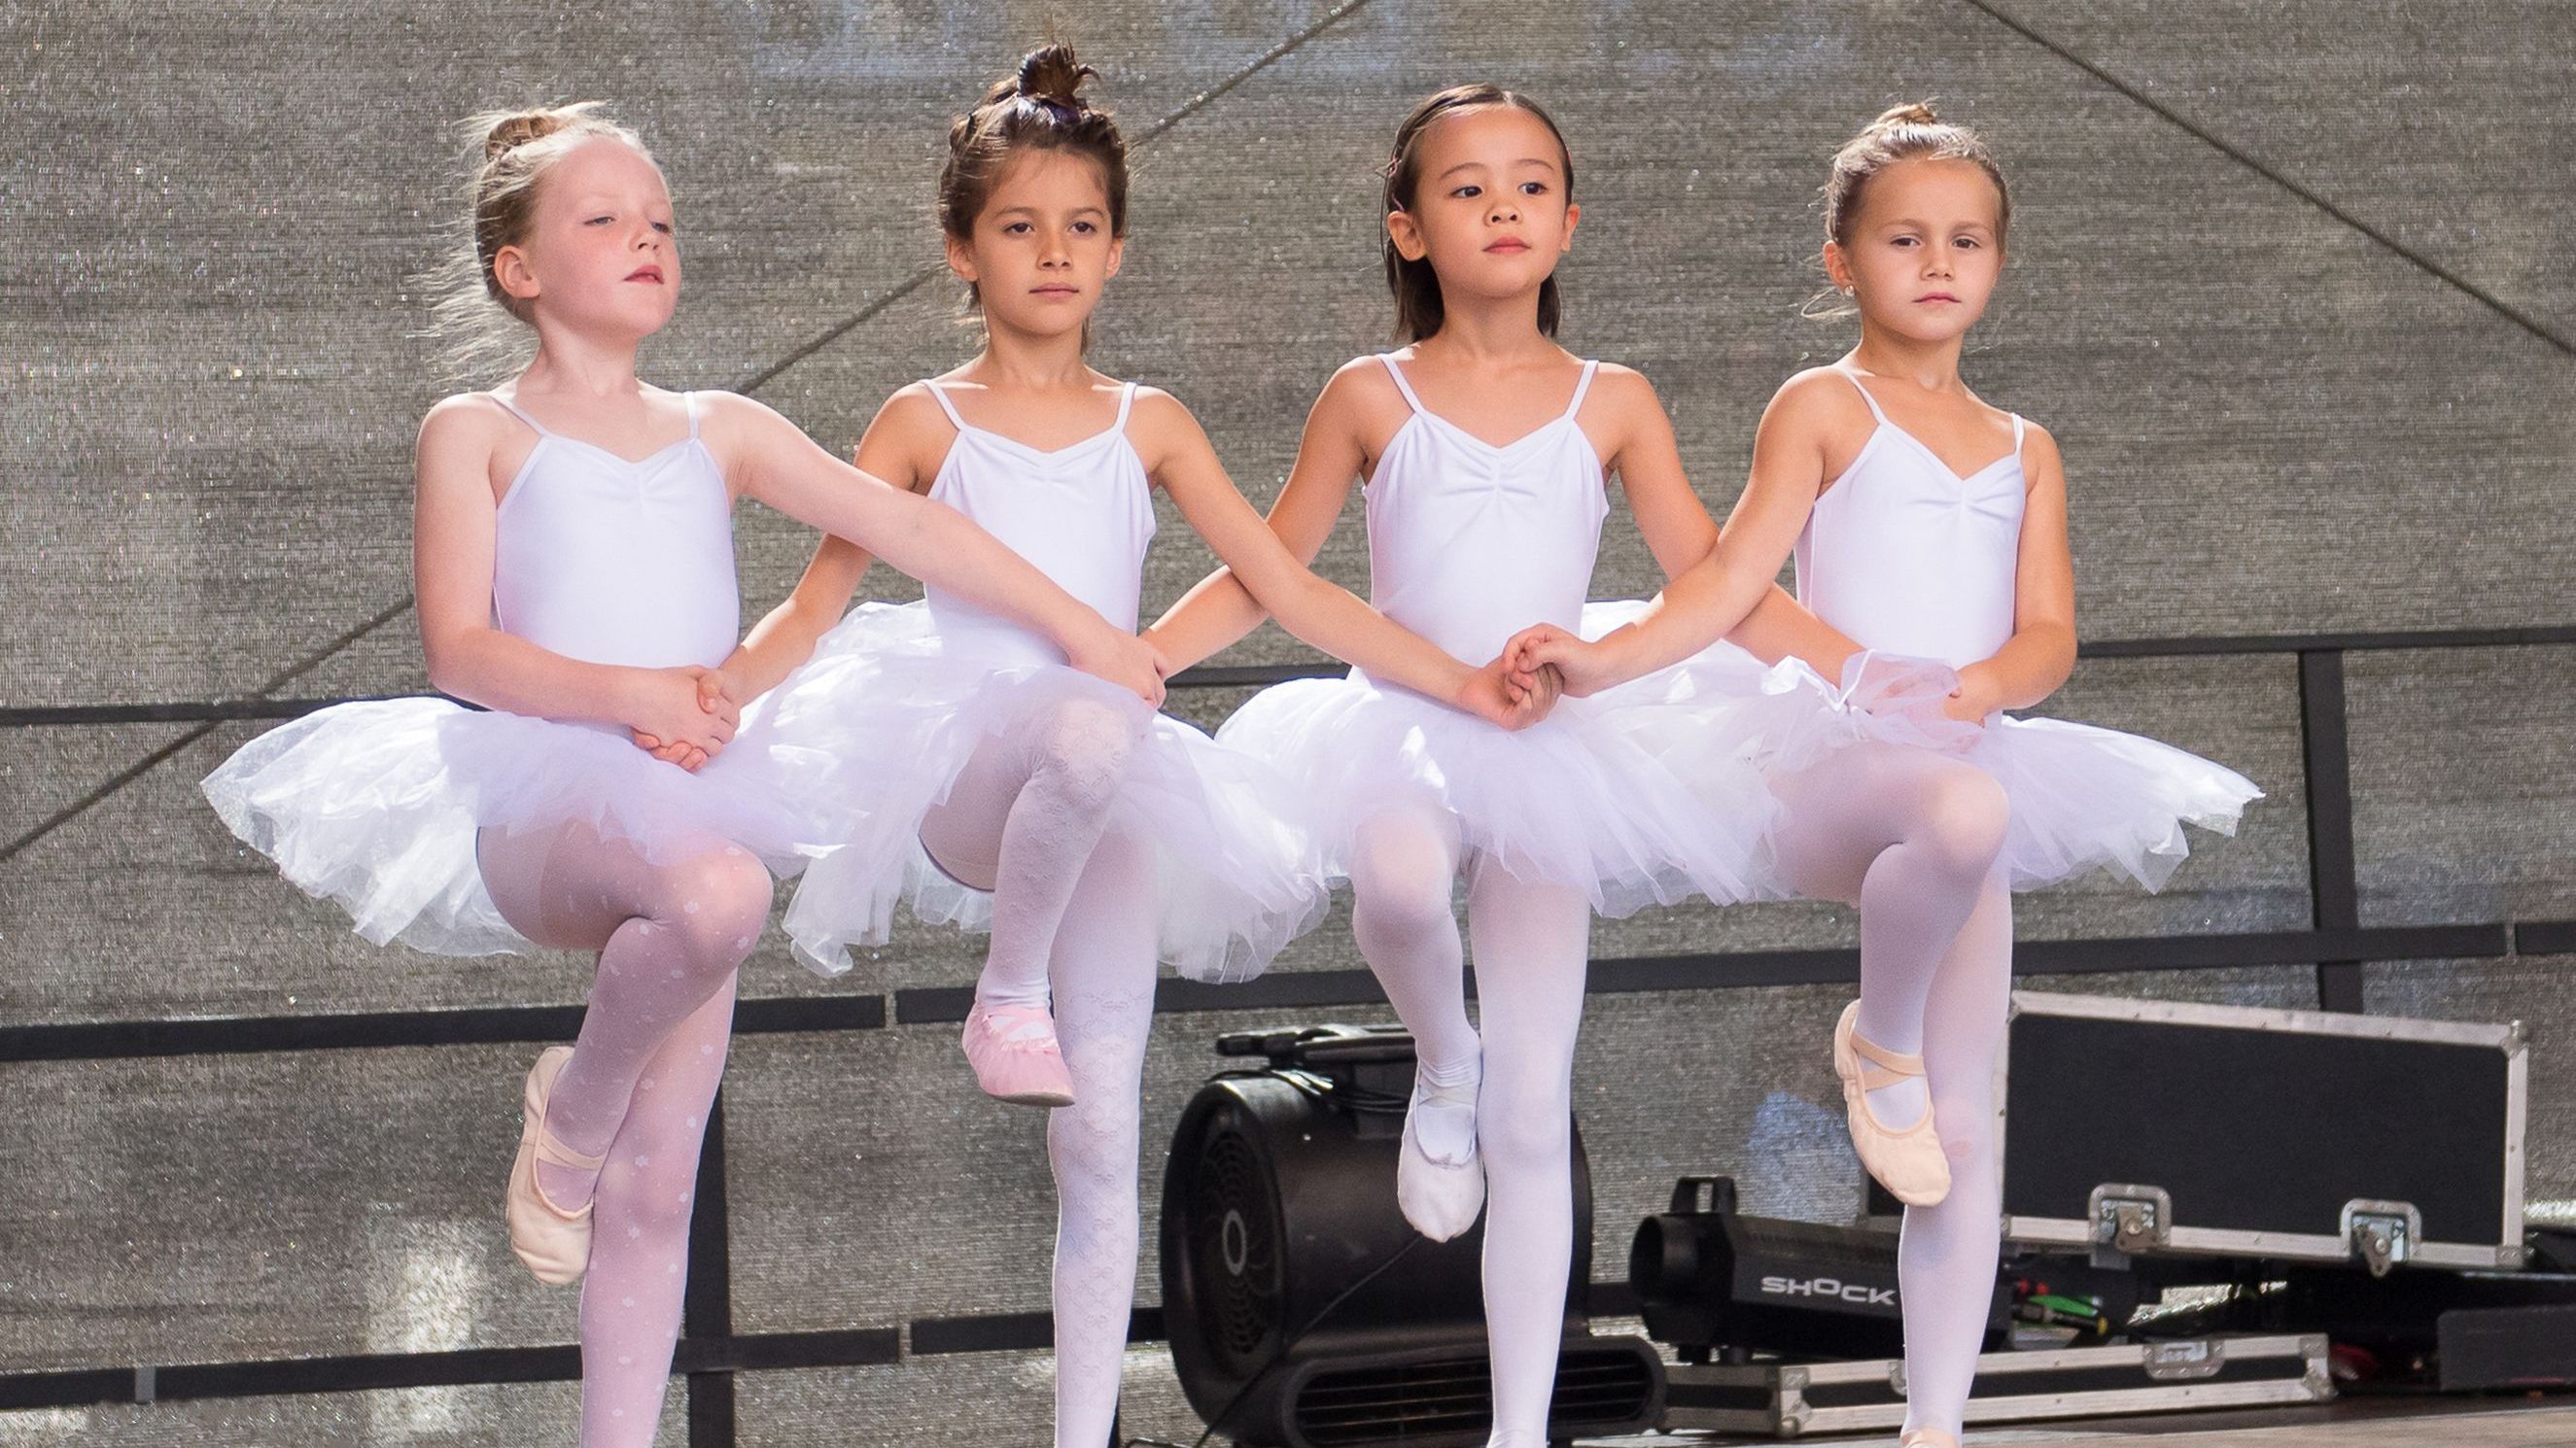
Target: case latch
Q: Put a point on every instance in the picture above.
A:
(2128, 1218)
(2188, 1361)
(2382, 1234)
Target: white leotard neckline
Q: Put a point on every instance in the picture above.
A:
(1907, 555)
(1082, 514)
(1471, 540)
(617, 560)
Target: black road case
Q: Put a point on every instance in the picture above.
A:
(2132, 1127)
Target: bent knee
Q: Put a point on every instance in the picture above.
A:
(1086, 745)
(719, 903)
(1965, 819)
(1402, 875)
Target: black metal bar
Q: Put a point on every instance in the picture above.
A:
(1242, 676)
(2545, 937)
(479, 1026)
(368, 1373)
(73, 1388)
(2355, 642)
(249, 1035)
(1282, 990)
(1256, 676)
(857, 1347)
(792, 1015)
(2334, 880)
(1011, 1332)
(210, 711)
(2064, 957)
(2275, 947)
(757, 1352)
(706, 1304)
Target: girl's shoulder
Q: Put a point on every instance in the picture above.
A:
(731, 413)
(913, 404)
(1821, 399)
(468, 419)
(459, 409)
(1158, 423)
(1620, 384)
(1158, 405)
(1364, 385)
(1368, 367)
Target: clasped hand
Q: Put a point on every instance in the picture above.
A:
(686, 715)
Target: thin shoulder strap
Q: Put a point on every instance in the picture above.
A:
(1400, 384)
(689, 400)
(521, 414)
(1854, 379)
(2019, 427)
(1582, 385)
(1126, 401)
(939, 395)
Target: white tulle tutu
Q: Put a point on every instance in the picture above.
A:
(2082, 798)
(376, 806)
(1237, 878)
(1580, 799)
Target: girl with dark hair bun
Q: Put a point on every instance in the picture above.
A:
(1086, 832)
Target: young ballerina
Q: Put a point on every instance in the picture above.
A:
(574, 566)
(1931, 527)
(1071, 821)
(1486, 450)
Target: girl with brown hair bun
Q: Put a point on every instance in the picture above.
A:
(1086, 832)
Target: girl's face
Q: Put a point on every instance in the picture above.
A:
(600, 253)
(1489, 203)
(1924, 249)
(1041, 248)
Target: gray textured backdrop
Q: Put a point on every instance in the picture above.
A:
(2274, 423)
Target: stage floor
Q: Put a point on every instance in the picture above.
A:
(2363, 1423)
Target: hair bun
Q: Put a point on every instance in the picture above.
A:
(1051, 73)
(521, 127)
(1917, 113)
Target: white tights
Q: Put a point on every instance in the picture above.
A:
(1531, 944)
(1022, 817)
(641, 1080)
(1028, 818)
(1911, 837)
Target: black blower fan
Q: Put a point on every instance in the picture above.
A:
(1303, 1311)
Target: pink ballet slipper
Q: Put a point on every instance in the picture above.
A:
(553, 1242)
(1015, 1056)
(1927, 1438)
(1909, 1163)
